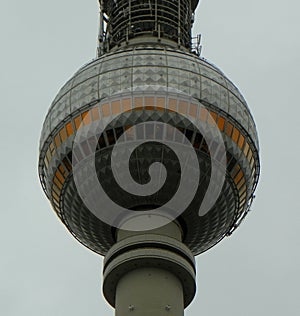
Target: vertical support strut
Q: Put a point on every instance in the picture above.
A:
(179, 24)
(101, 30)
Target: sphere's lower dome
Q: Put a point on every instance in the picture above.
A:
(114, 86)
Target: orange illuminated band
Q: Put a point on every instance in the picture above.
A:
(147, 103)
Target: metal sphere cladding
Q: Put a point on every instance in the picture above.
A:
(113, 86)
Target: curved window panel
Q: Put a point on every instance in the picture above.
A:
(235, 135)
(95, 114)
(63, 134)
(229, 129)
(193, 110)
(221, 123)
(116, 107)
(126, 104)
(105, 110)
(86, 118)
(69, 129)
(241, 141)
(57, 140)
(77, 122)
(203, 114)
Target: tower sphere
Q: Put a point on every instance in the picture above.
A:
(159, 84)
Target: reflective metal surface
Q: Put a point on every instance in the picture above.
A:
(130, 71)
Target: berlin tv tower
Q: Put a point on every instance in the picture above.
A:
(149, 155)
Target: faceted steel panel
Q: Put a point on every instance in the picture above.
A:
(180, 70)
(200, 235)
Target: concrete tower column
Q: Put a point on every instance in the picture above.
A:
(149, 273)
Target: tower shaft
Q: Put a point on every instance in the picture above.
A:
(149, 273)
(149, 292)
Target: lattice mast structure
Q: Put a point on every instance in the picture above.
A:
(148, 69)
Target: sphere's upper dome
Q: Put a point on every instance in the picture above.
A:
(129, 71)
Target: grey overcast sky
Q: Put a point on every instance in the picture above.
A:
(43, 270)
